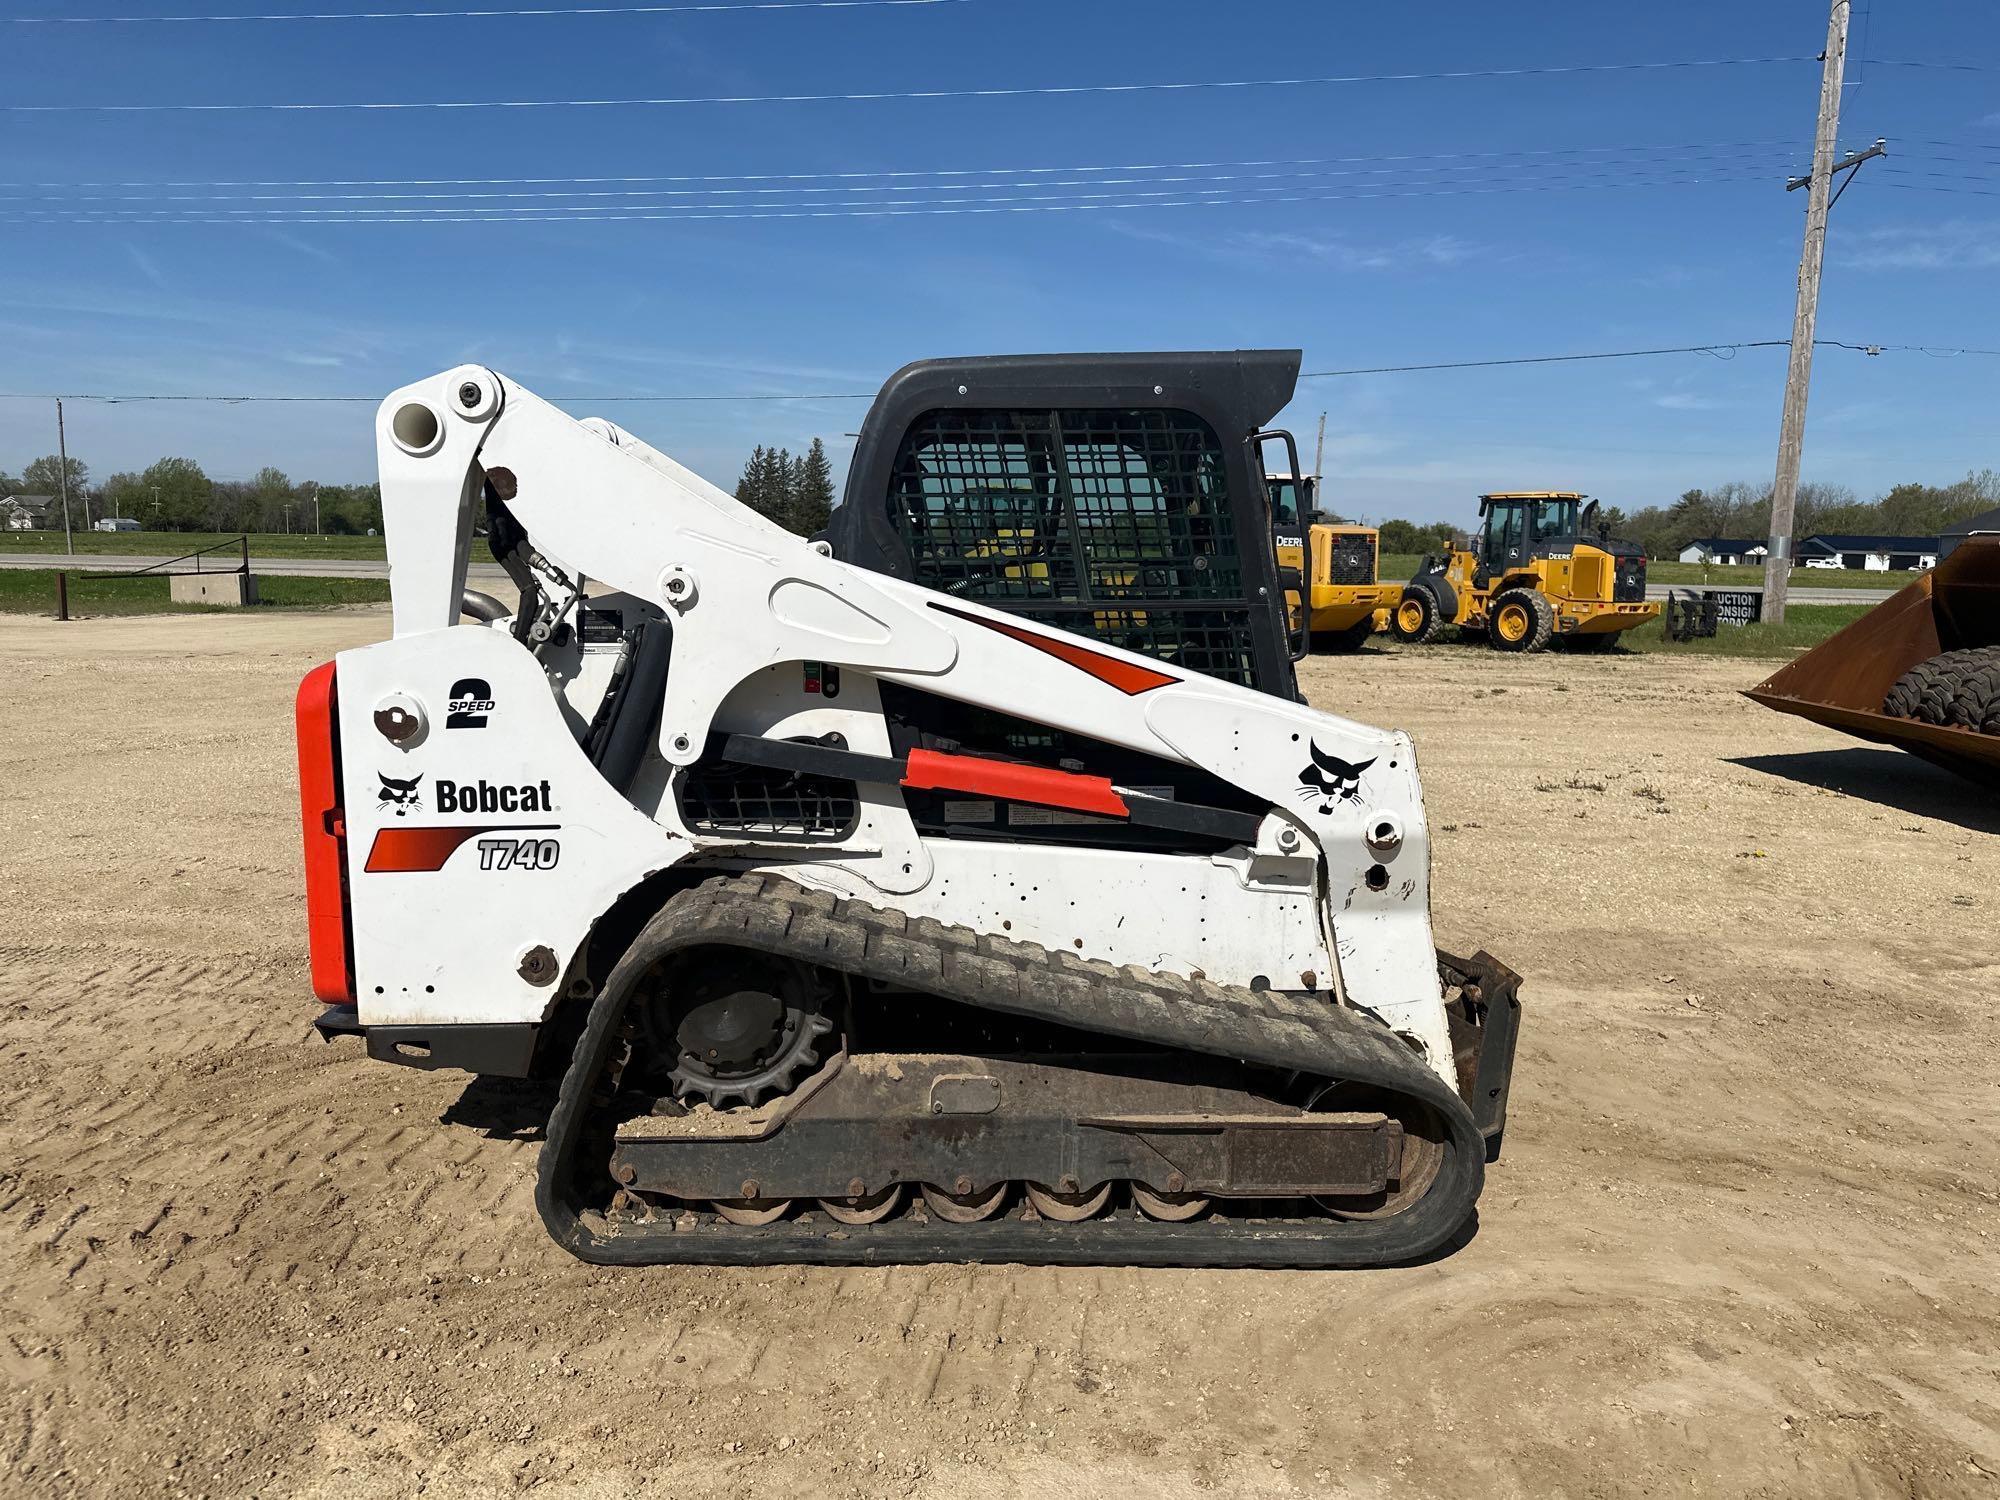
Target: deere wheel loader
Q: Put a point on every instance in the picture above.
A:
(1539, 572)
(1339, 597)
(863, 922)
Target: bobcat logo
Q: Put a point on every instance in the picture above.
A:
(400, 795)
(1331, 779)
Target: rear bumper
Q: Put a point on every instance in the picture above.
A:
(503, 1051)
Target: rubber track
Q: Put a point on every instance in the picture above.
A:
(772, 916)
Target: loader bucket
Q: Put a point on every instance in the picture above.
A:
(1842, 681)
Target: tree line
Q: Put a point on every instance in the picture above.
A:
(1741, 511)
(174, 494)
(797, 493)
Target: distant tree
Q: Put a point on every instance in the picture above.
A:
(754, 485)
(1401, 536)
(767, 483)
(273, 492)
(176, 494)
(350, 509)
(811, 504)
(44, 477)
(120, 495)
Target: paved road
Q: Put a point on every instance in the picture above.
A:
(484, 575)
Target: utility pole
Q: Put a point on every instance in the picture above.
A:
(1319, 451)
(62, 476)
(316, 527)
(1805, 317)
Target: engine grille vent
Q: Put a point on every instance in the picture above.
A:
(1353, 559)
(724, 798)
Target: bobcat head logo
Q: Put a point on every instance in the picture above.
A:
(1329, 779)
(400, 796)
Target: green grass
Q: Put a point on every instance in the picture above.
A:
(175, 543)
(1402, 565)
(32, 591)
(1753, 578)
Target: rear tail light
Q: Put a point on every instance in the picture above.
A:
(328, 931)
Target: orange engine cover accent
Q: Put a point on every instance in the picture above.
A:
(328, 931)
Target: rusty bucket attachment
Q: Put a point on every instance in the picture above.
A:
(1842, 681)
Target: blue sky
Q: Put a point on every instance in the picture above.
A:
(1690, 241)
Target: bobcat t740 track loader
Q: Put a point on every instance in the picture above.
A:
(863, 922)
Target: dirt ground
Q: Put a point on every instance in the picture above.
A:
(1742, 1240)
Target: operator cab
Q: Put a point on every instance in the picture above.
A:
(1517, 525)
(1293, 501)
(1115, 496)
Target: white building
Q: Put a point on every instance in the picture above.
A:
(1723, 551)
(1870, 554)
(26, 512)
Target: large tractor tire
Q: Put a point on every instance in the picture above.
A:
(1596, 644)
(1521, 620)
(1352, 639)
(1416, 619)
(1959, 688)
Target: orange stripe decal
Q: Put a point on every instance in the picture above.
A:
(933, 770)
(403, 851)
(1128, 677)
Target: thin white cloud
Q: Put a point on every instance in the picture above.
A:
(1340, 251)
(1953, 245)
(1688, 401)
(148, 267)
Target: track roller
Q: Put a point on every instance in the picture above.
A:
(967, 1207)
(1071, 1207)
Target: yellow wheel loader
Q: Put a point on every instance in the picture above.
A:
(1541, 570)
(1338, 596)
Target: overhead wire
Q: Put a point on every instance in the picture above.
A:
(473, 15)
(612, 213)
(1015, 91)
(1528, 156)
(1137, 188)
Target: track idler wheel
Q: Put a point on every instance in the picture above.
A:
(864, 1208)
(1169, 1208)
(754, 1212)
(1071, 1207)
(968, 1207)
(737, 1028)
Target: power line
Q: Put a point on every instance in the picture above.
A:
(338, 206)
(1938, 67)
(616, 213)
(1717, 350)
(1660, 152)
(1720, 351)
(1920, 187)
(1010, 92)
(473, 15)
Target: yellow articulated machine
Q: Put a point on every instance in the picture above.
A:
(1541, 570)
(1335, 566)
